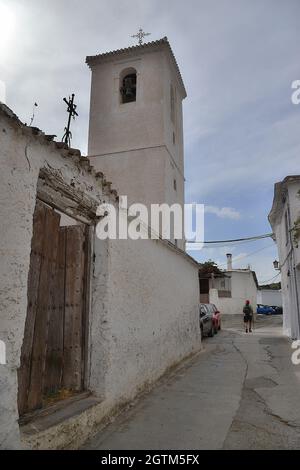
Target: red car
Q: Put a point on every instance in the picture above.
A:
(216, 316)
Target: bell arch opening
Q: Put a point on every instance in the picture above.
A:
(128, 84)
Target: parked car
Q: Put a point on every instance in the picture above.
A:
(216, 316)
(206, 321)
(277, 310)
(264, 309)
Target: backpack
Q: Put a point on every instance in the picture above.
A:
(247, 310)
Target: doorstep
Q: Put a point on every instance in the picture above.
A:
(66, 424)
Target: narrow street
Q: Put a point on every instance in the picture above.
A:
(241, 392)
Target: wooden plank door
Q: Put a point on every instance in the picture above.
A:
(41, 295)
(52, 356)
(74, 328)
(33, 284)
(55, 342)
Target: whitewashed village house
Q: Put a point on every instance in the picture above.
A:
(89, 323)
(231, 289)
(284, 218)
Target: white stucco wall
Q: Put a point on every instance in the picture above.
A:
(243, 288)
(269, 297)
(289, 260)
(144, 294)
(149, 318)
(280, 235)
(294, 205)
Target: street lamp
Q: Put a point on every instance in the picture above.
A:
(276, 265)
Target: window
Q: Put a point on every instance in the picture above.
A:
(203, 311)
(175, 185)
(128, 87)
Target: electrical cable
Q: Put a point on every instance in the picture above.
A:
(269, 280)
(249, 254)
(257, 237)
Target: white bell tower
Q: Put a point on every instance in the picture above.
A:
(135, 128)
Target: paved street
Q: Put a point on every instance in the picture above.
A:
(241, 392)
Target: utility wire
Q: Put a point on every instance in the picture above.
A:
(269, 280)
(223, 245)
(246, 256)
(257, 237)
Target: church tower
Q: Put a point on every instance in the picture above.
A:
(135, 128)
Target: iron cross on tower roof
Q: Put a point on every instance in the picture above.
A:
(72, 113)
(140, 36)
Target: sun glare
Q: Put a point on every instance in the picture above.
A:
(7, 27)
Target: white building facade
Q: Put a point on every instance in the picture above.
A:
(230, 292)
(285, 221)
(272, 297)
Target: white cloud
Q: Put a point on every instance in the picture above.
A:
(223, 212)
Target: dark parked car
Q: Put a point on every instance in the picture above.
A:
(277, 310)
(206, 321)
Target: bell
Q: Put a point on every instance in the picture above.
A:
(129, 88)
(129, 92)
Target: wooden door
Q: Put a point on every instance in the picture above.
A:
(52, 356)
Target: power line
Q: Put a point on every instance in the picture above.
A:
(249, 254)
(223, 245)
(257, 237)
(269, 280)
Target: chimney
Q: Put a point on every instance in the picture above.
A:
(229, 262)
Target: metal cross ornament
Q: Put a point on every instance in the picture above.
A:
(140, 36)
(72, 113)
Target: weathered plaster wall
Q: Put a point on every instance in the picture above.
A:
(144, 294)
(150, 316)
(22, 157)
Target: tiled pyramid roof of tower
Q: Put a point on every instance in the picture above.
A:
(94, 59)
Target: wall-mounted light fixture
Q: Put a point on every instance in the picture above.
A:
(276, 265)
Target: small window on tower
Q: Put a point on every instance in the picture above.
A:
(128, 88)
(175, 185)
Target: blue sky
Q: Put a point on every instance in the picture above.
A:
(238, 59)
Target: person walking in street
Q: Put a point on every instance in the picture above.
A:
(248, 316)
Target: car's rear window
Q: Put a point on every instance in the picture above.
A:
(210, 309)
